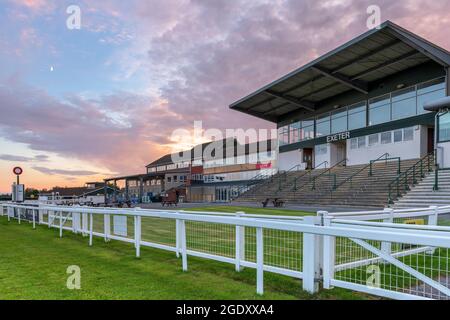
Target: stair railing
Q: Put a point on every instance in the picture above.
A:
(386, 159)
(309, 172)
(262, 177)
(350, 179)
(436, 176)
(285, 174)
(329, 173)
(410, 177)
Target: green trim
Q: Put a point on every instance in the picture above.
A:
(423, 119)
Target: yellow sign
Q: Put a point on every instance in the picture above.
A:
(420, 222)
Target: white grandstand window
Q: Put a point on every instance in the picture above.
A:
(408, 134)
(361, 142)
(321, 149)
(398, 135)
(374, 139)
(386, 137)
(354, 143)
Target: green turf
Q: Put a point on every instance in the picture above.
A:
(33, 265)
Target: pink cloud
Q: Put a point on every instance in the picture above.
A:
(199, 56)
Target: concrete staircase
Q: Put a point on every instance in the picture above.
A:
(423, 195)
(317, 188)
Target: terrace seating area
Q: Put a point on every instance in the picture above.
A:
(350, 186)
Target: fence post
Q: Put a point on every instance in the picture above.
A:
(91, 228)
(60, 224)
(329, 252)
(310, 261)
(183, 244)
(18, 214)
(178, 237)
(76, 226)
(41, 215)
(386, 247)
(84, 223)
(433, 221)
(8, 211)
(33, 211)
(259, 261)
(107, 226)
(240, 244)
(137, 235)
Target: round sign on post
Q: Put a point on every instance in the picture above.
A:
(18, 171)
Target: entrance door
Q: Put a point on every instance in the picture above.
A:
(430, 140)
(308, 158)
(341, 151)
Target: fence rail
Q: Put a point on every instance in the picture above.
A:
(401, 254)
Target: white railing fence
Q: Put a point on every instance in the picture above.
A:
(401, 254)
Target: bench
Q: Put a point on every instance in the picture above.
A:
(169, 203)
(277, 203)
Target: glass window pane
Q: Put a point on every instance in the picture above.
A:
(403, 94)
(307, 133)
(323, 126)
(444, 128)
(430, 86)
(380, 101)
(379, 115)
(294, 133)
(339, 124)
(373, 139)
(283, 135)
(307, 123)
(404, 108)
(359, 107)
(357, 120)
(386, 137)
(321, 149)
(408, 134)
(361, 142)
(354, 143)
(398, 135)
(428, 97)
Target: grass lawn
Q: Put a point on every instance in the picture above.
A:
(33, 265)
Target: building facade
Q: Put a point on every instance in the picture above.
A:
(362, 100)
(211, 172)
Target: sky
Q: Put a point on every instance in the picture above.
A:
(79, 105)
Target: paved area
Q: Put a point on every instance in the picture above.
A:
(294, 207)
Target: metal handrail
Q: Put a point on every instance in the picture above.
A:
(358, 172)
(403, 178)
(436, 177)
(314, 179)
(308, 172)
(258, 177)
(386, 159)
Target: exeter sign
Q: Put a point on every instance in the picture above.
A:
(338, 137)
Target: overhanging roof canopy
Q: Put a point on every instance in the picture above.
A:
(372, 56)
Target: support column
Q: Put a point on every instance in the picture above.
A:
(127, 195)
(115, 191)
(105, 189)
(141, 189)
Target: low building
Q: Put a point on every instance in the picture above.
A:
(209, 172)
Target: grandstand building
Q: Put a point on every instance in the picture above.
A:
(211, 172)
(357, 102)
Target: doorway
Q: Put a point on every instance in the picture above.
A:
(308, 158)
(341, 152)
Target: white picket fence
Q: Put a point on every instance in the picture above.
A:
(376, 252)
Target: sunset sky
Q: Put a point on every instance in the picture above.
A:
(79, 105)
